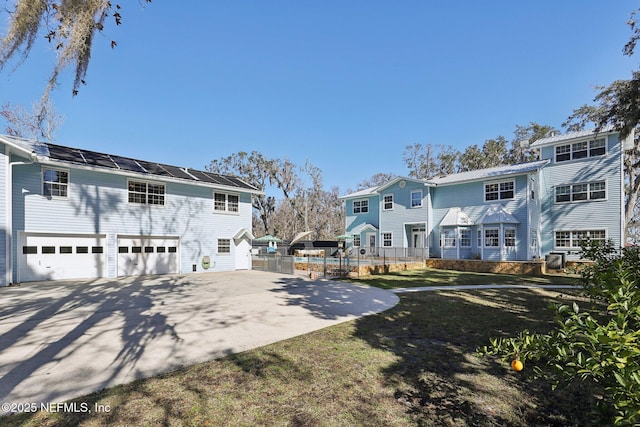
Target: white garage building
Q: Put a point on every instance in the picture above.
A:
(68, 213)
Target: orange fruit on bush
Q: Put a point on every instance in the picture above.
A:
(517, 365)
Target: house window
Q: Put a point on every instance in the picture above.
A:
(388, 202)
(386, 240)
(356, 240)
(224, 246)
(55, 183)
(572, 239)
(449, 238)
(581, 150)
(223, 202)
(491, 237)
(499, 191)
(581, 192)
(146, 193)
(416, 199)
(509, 237)
(479, 242)
(360, 206)
(465, 238)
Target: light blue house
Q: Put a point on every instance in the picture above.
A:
(507, 213)
(69, 213)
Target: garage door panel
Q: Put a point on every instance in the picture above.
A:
(147, 255)
(59, 257)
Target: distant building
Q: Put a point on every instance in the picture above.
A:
(515, 212)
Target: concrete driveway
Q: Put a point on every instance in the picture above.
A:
(60, 340)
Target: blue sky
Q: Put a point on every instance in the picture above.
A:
(344, 84)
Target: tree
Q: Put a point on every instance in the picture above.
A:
(69, 25)
(471, 159)
(600, 346)
(524, 136)
(494, 152)
(375, 181)
(423, 162)
(618, 106)
(42, 123)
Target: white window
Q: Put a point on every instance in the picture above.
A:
(581, 150)
(224, 246)
(387, 202)
(573, 238)
(55, 183)
(146, 193)
(581, 192)
(499, 191)
(449, 238)
(223, 202)
(386, 240)
(509, 237)
(479, 242)
(360, 206)
(491, 237)
(356, 240)
(416, 199)
(465, 237)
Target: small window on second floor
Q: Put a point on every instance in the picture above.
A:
(223, 202)
(55, 183)
(360, 206)
(387, 203)
(416, 199)
(499, 191)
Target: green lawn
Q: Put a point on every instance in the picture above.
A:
(413, 365)
(435, 277)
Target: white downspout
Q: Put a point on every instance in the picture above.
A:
(9, 213)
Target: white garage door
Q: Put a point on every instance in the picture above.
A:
(147, 255)
(56, 256)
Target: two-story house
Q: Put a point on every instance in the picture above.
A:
(514, 212)
(68, 213)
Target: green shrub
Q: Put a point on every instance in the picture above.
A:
(600, 346)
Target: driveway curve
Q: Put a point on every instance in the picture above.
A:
(60, 340)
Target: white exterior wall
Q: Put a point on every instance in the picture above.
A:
(97, 203)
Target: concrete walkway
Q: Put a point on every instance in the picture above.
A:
(60, 340)
(490, 286)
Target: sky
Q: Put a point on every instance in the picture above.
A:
(345, 85)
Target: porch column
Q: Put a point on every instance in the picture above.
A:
(457, 242)
(501, 241)
(481, 242)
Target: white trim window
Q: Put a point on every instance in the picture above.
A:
(499, 191)
(224, 246)
(581, 192)
(55, 182)
(356, 240)
(581, 150)
(146, 193)
(387, 202)
(491, 237)
(449, 238)
(387, 240)
(465, 237)
(360, 206)
(509, 237)
(416, 199)
(572, 239)
(225, 202)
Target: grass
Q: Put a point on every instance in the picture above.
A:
(411, 365)
(435, 277)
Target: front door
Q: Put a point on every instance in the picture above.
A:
(371, 238)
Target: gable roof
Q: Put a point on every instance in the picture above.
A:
(399, 179)
(495, 172)
(360, 193)
(46, 152)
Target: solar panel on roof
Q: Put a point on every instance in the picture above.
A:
(98, 159)
(177, 172)
(154, 168)
(59, 152)
(128, 164)
(201, 176)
